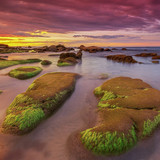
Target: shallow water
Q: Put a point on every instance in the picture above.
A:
(49, 140)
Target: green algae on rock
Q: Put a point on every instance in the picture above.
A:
(69, 61)
(46, 62)
(61, 64)
(25, 72)
(129, 110)
(39, 101)
(8, 63)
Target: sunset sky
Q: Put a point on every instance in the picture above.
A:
(76, 22)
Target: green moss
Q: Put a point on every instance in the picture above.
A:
(28, 118)
(105, 95)
(98, 91)
(51, 103)
(8, 63)
(64, 64)
(109, 142)
(149, 125)
(39, 101)
(1, 91)
(25, 72)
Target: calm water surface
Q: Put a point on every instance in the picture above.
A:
(49, 140)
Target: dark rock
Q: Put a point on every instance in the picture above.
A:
(79, 54)
(3, 46)
(91, 49)
(146, 54)
(107, 49)
(121, 58)
(65, 55)
(156, 57)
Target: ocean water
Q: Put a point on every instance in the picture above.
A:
(49, 140)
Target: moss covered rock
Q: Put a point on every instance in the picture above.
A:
(8, 63)
(69, 61)
(129, 110)
(25, 72)
(39, 101)
(46, 62)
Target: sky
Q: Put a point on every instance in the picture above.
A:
(74, 22)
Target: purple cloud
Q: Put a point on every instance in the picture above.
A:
(79, 15)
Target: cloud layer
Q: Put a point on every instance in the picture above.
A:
(78, 15)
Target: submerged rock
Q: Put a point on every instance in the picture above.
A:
(39, 101)
(124, 49)
(25, 72)
(146, 54)
(121, 58)
(128, 112)
(103, 76)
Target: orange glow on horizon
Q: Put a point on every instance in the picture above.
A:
(43, 38)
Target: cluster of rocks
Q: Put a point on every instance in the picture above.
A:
(66, 59)
(121, 58)
(153, 55)
(53, 48)
(93, 49)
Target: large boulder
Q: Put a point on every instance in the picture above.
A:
(121, 58)
(69, 61)
(42, 97)
(128, 112)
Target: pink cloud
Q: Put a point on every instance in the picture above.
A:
(79, 15)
